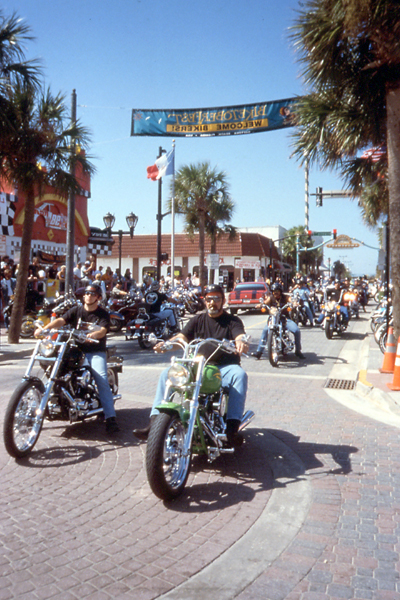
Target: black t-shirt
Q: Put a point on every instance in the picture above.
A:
(97, 317)
(225, 327)
(154, 301)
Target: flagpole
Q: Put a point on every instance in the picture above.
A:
(173, 218)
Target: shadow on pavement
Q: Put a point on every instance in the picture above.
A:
(308, 451)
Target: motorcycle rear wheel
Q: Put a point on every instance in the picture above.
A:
(115, 324)
(27, 326)
(167, 468)
(273, 348)
(21, 427)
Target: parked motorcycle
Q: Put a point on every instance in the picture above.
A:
(122, 310)
(192, 418)
(66, 390)
(280, 341)
(146, 325)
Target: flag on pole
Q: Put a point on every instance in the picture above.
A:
(163, 166)
(375, 154)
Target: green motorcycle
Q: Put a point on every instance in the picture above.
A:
(191, 419)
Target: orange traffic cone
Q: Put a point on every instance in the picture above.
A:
(390, 353)
(395, 385)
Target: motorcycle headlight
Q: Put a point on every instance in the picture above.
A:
(178, 375)
(47, 348)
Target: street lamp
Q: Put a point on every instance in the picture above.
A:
(131, 221)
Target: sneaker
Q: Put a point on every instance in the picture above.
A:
(112, 425)
(300, 355)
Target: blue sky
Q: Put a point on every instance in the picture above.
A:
(154, 54)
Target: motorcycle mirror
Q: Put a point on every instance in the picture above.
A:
(153, 338)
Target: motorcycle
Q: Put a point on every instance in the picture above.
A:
(27, 323)
(147, 324)
(350, 300)
(334, 321)
(298, 313)
(191, 419)
(122, 310)
(280, 341)
(66, 391)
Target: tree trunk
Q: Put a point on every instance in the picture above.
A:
(393, 149)
(213, 250)
(202, 268)
(22, 277)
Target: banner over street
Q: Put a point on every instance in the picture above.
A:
(205, 122)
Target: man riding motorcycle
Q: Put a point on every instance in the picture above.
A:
(335, 293)
(94, 314)
(154, 299)
(218, 324)
(278, 299)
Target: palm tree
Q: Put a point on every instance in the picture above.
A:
(352, 70)
(14, 69)
(201, 195)
(36, 152)
(289, 247)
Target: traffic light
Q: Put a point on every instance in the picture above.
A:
(334, 232)
(164, 256)
(318, 196)
(309, 235)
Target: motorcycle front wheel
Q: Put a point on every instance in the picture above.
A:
(22, 426)
(328, 329)
(167, 468)
(273, 348)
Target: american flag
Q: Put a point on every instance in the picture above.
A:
(375, 154)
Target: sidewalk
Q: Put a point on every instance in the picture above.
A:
(371, 383)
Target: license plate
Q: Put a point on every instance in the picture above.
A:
(246, 301)
(139, 321)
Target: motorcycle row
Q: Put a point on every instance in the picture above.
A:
(316, 300)
(380, 321)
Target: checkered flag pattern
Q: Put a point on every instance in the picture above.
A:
(102, 249)
(7, 212)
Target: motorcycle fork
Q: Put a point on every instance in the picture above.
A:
(194, 409)
(52, 380)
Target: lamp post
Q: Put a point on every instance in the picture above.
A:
(131, 221)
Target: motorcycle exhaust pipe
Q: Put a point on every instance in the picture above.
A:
(246, 419)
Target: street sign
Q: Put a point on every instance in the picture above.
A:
(213, 261)
(322, 233)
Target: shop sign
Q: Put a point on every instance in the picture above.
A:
(343, 241)
(247, 264)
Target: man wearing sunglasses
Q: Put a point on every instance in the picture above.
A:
(95, 353)
(215, 323)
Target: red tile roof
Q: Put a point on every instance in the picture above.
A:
(244, 244)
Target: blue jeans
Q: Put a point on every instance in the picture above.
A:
(168, 314)
(290, 326)
(98, 363)
(233, 377)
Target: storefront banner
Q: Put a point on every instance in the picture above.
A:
(203, 122)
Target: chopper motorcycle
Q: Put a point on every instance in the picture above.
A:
(65, 391)
(191, 419)
(280, 341)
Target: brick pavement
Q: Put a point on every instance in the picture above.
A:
(78, 519)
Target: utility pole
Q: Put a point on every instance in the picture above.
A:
(69, 275)
(159, 219)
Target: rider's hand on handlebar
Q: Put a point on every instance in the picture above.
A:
(160, 348)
